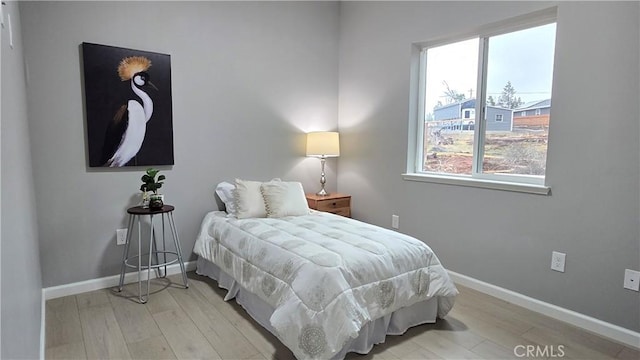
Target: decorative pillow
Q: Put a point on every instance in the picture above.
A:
(284, 199)
(249, 200)
(226, 192)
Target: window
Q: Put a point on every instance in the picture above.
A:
(537, 111)
(494, 73)
(523, 113)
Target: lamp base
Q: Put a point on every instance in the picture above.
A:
(323, 179)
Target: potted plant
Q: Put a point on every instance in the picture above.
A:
(150, 184)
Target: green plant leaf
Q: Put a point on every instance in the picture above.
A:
(149, 181)
(152, 172)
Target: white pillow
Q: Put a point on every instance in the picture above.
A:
(284, 199)
(249, 200)
(226, 192)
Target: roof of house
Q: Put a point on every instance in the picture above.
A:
(538, 104)
(499, 107)
(456, 104)
(468, 104)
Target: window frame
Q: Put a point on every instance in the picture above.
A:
(511, 182)
(499, 116)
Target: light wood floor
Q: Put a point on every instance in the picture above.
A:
(196, 323)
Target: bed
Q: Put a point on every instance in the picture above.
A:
(324, 284)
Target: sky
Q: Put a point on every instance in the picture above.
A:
(523, 57)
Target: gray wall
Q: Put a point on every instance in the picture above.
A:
(21, 283)
(248, 80)
(506, 238)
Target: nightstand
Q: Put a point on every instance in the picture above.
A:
(336, 203)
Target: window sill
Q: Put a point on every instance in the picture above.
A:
(480, 183)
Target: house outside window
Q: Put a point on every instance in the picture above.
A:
(483, 72)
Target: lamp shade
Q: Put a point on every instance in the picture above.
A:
(323, 143)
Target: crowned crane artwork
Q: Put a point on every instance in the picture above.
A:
(128, 106)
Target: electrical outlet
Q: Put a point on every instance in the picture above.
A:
(557, 261)
(121, 236)
(632, 280)
(395, 221)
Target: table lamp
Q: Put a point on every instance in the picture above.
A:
(323, 144)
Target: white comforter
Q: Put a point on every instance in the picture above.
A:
(325, 275)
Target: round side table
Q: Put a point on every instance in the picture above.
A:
(137, 212)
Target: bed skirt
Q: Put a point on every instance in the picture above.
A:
(371, 333)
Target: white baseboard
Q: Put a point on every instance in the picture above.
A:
(614, 332)
(106, 282)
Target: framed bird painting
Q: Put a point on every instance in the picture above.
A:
(128, 106)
